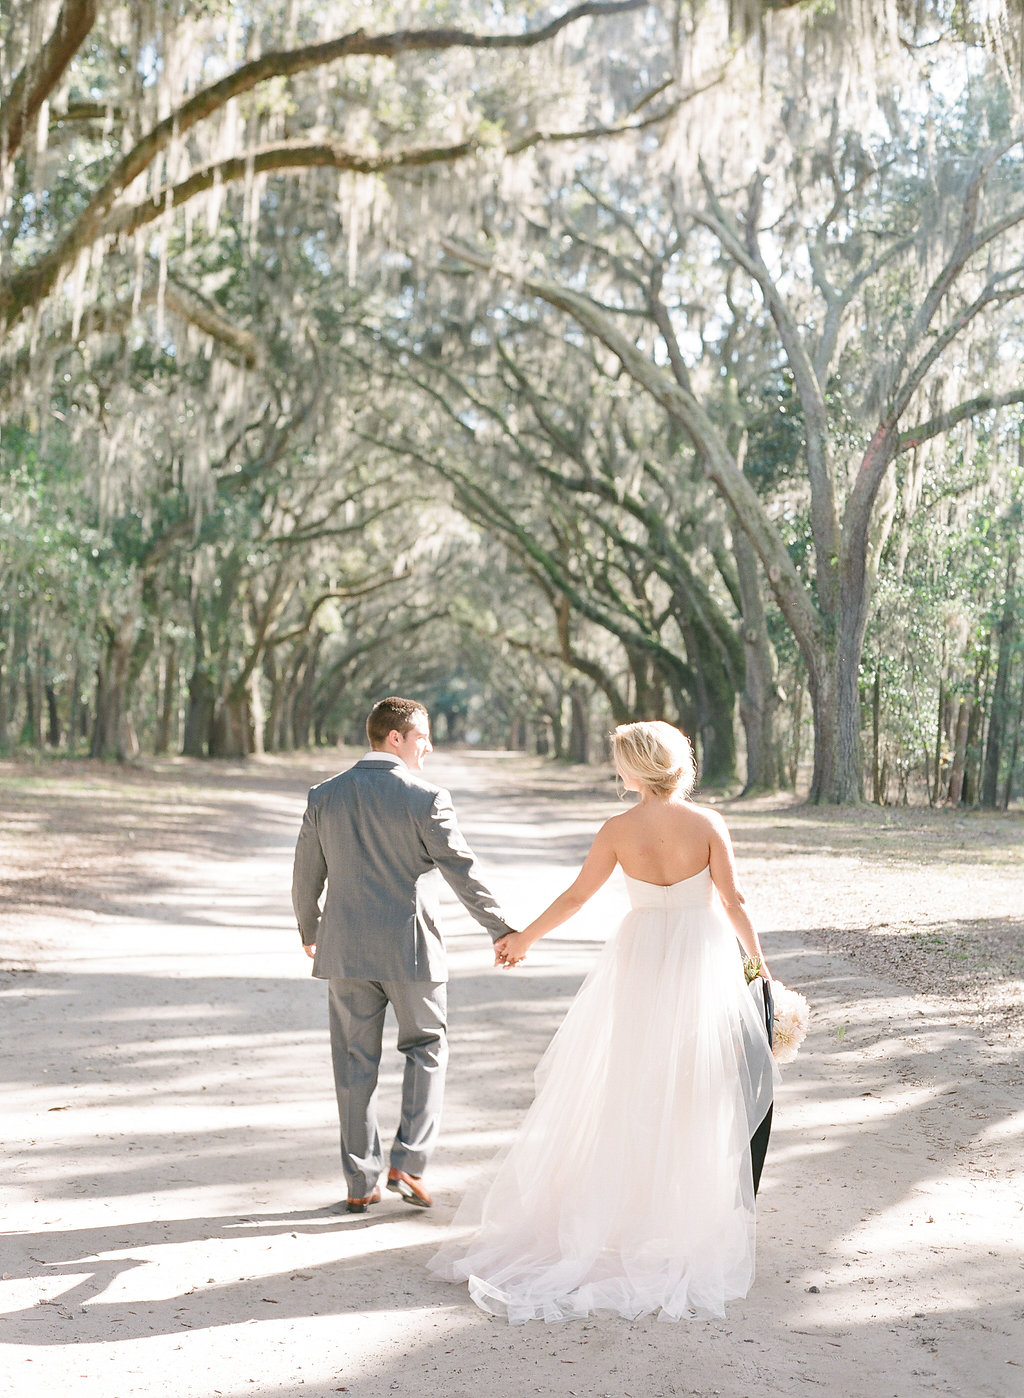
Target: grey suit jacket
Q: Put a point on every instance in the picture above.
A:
(382, 838)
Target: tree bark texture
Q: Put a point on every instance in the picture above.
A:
(199, 711)
(1000, 703)
(113, 735)
(760, 699)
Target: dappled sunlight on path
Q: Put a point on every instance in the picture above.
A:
(172, 1158)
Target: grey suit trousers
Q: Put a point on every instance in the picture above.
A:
(356, 1010)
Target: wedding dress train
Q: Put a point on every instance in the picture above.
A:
(628, 1185)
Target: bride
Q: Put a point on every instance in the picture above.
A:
(628, 1186)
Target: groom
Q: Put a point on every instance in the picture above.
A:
(381, 838)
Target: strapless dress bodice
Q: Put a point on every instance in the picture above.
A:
(694, 892)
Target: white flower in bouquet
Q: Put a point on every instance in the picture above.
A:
(792, 1015)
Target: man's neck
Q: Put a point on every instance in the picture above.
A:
(383, 752)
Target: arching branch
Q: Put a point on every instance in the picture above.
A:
(289, 155)
(241, 344)
(41, 73)
(719, 464)
(34, 283)
(31, 286)
(945, 422)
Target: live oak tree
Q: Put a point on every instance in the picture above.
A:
(869, 262)
(815, 286)
(138, 149)
(152, 106)
(542, 442)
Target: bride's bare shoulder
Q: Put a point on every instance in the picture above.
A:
(705, 815)
(622, 826)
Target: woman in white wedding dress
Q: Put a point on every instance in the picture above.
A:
(628, 1186)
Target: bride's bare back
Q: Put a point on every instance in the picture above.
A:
(665, 841)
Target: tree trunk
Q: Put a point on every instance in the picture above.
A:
(304, 690)
(53, 727)
(1018, 728)
(848, 779)
(273, 734)
(257, 716)
(834, 682)
(6, 664)
(106, 716)
(876, 714)
(796, 718)
(286, 721)
(715, 700)
(642, 698)
(78, 709)
(825, 718)
(760, 699)
(579, 725)
(940, 735)
(999, 710)
(972, 762)
(230, 731)
(32, 733)
(557, 726)
(199, 713)
(112, 733)
(956, 780)
(167, 699)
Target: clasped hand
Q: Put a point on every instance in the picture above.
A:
(510, 950)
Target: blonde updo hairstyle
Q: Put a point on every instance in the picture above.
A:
(657, 755)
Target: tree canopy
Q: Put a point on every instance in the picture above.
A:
(594, 362)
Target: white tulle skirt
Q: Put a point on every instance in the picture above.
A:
(628, 1186)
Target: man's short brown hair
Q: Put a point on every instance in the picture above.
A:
(391, 715)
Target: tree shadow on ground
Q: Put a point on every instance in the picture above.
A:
(897, 1076)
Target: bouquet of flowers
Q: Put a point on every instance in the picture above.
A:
(792, 1014)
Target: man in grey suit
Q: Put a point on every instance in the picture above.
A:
(381, 838)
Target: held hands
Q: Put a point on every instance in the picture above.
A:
(511, 949)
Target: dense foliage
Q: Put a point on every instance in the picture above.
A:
(571, 365)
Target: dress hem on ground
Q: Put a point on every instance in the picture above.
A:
(628, 1186)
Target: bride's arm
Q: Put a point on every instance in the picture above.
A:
(596, 870)
(723, 874)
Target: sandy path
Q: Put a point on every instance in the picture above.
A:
(171, 1156)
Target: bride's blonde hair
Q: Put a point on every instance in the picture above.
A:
(657, 755)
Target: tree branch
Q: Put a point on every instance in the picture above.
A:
(41, 74)
(623, 128)
(287, 63)
(290, 155)
(748, 255)
(986, 297)
(32, 285)
(340, 594)
(945, 422)
(205, 316)
(783, 578)
(35, 282)
(968, 242)
(483, 505)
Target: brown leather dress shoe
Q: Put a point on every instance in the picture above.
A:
(410, 1187)
(359, 1206)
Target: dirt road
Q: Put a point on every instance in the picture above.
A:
(170, 1128)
